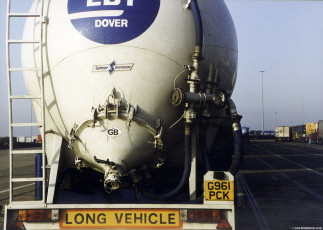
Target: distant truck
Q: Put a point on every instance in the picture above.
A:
(283, 133)
(311, 131)
(21, 139)
(255, 134)
(4, 142)
(320, 132)
(245, 134)
(268, 134)
(300, 134)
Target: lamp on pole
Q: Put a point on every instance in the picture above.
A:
(262, 99)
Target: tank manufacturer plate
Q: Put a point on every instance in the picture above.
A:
(112, 67)
(112, 21)
(122, 218)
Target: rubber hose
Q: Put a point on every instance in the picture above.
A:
(198, 23)
(203, 147)
(185, 176)
(237, 139)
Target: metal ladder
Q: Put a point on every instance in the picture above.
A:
(11, 98)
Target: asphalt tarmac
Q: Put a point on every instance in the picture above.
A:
(23, 166)
(282, 186)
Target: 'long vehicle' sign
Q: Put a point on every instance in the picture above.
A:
(121, 218)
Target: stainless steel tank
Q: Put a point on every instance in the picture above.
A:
(109, 67)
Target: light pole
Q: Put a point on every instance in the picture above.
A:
(262, 99)
(276, 118)
(302, 111)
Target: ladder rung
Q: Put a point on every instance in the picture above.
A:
(23, 15)
(31, 179)
(26, 202)
(23, 180)
(25, 124)
(22, 69)
(23, 41)
(29, 151)
(25, 97)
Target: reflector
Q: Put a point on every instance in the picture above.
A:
(224, 224)
(22, 215)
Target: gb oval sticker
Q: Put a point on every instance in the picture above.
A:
(112, 21)
(113, 132)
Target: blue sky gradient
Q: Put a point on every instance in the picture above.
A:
(285, 39)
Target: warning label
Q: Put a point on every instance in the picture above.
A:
(128, 218)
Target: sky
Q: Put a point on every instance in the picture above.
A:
(282, 38)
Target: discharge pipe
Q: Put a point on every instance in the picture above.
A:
(203, 146)
(198, 28)
(201, 98)
(237, 138)
(186, 172)
(193, 78)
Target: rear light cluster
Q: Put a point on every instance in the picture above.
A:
(35, 215)
(203, 216)
(208, 216)
(193, 215)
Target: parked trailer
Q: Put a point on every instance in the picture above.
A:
(283, 133)
(301, 133)
(311, 128)
(113, 78)
(311, 131)
(320, 132)
(294, 133)
(21, 139)
(245, 134)
(268, 134)
(255, 134)
(4, 142)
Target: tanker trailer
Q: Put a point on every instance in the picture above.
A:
(136, 97)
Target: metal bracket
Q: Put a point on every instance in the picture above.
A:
(95, 115)
(107, 161)
(131, 112)
(55, 215)
(158, 143)
(78, 163)
(72, 136)
(44, 19)
(161, 161)
(188, 4)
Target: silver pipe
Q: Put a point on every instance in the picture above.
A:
(203, 98)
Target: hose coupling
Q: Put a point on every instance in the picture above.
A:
(189, 115)
(112, 179)
(236, 126)
(236, 118)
